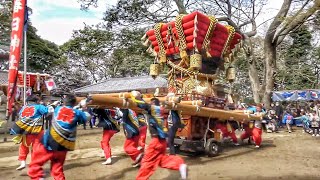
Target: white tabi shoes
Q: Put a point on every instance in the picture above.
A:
(136, 163)
(22, 165)
(183, 171)
(107, 162)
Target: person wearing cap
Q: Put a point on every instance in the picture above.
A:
(155, 155)
(59, 139)
(29, 127)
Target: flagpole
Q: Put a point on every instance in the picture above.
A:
(25, 69)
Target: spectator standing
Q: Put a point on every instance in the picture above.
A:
(315, 123)
(279, 112)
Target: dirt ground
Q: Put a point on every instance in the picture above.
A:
(281, 156)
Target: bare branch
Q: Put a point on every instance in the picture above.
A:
(289, 20)
(278, 19)
(181, 7)
(299, 19)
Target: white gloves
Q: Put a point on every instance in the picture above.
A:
(56, 103)
(136, 94)
(50, 109)
(83, 103)
(119, 113)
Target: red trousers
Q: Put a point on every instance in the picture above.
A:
(25, 144)
(30, 140)
(143, 136)
(105, 146)
(40, 156)
(130, 147)
(255, 133)
(155, 155)
(226, 133)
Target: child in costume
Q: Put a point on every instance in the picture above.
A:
(29, 127)
(110, 127)
(58, 140)
(142, 131)
(155, 154)
(288, 120)
(130, 124)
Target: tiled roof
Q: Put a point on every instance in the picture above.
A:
(124, 85)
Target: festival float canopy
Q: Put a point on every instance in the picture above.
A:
(194, 46)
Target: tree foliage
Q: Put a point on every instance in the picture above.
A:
(103, 54)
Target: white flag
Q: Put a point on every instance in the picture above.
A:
(50, 84)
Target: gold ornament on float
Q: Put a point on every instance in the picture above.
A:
(196, 61)
(231, 74)
(154, 70)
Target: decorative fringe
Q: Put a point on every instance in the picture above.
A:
(144, 37)
(146, 43)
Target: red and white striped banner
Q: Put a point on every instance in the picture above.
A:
(15, 48)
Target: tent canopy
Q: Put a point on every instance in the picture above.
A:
(296, 95)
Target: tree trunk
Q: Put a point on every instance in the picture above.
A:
(181, 6)
(255, 84)
(270, 59)
(253, 73)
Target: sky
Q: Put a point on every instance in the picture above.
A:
(55, 20)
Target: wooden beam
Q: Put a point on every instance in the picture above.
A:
(109, 101)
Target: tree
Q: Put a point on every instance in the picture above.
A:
(5, 25)
(288, 19)
(42, 54)
(88, 51)
(297, 71)
(129, 58)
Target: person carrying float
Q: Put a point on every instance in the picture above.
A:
(254, 128)
(155, 155)
(227, 131)
(174, 123)
(58, 140)
(110, 127)
(130, 124)
(142, 131)
(29, 127)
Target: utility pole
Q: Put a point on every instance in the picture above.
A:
(317, 69)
